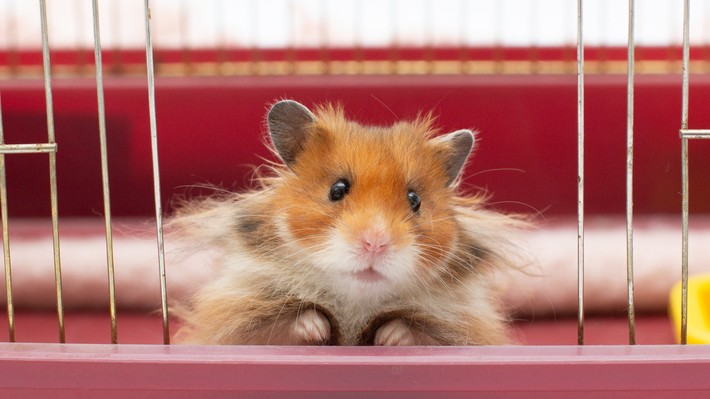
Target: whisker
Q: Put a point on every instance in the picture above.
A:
(497, 170)
(538, 212)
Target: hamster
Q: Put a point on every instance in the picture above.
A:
(359, 237)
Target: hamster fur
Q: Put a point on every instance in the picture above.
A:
(358, 238)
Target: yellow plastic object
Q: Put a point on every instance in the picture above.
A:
(698, 309)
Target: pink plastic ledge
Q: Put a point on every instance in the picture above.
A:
(106, 371)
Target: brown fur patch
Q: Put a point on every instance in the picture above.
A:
(382, 165)
(432, 330)
(262, 320)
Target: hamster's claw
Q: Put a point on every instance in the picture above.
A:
(394, 333)
(312, 328)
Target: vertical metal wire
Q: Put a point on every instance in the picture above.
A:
(52, 169)
(684, 174)
(156, 174)
(629, 176)
(580, 174)
(6, 239)
(104, 171)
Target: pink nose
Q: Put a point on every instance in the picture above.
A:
(375, 241)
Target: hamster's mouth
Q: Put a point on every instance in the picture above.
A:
(368, 275)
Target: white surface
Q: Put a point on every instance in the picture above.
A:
(279, 23)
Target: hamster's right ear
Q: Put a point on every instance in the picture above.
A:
(459, 145)
(289, 123)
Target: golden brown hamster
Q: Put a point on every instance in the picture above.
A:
(360, 237)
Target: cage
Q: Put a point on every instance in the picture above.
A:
(551, 93)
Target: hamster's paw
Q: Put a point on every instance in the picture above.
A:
(394, 333)
(312, 328)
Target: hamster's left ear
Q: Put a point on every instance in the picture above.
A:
(458, 147)
(289, 123)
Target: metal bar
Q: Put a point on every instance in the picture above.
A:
(27, 148)
(156, 174)
(6, 239)
(684, 175)
(694, 134)
(52, 170)
(104, 172)
(580, 175)
(629, 177)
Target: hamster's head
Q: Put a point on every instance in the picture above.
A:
(368, 210)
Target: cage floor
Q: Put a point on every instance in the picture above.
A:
(142, 328)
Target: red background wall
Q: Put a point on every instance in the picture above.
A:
(211, 130)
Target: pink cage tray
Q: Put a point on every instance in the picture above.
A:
(155, 371)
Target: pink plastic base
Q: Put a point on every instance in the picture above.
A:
(77, 371)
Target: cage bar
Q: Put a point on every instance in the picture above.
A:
(580, 173)
(52, 169)
(684, 176)
(629, 177)
(156, 175)
(695, 134)
(6, 238)
(27, 148)
(104, 171)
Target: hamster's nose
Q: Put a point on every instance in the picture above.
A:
(375, 241)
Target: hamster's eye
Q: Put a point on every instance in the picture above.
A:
(414, 201)
(339, 190)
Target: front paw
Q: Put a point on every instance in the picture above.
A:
(394, 333)
(312, 328)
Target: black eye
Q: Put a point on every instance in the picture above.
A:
(339, 189)
(414, 201)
